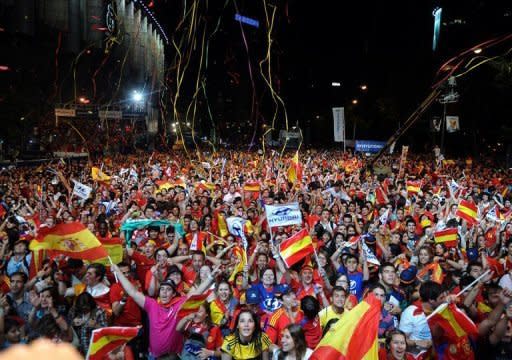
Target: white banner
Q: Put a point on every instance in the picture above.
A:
(81, 190)
(283, 215)
(236, 227)
(370, 256)
(338, 113)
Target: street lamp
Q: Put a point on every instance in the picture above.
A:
(477, 51)
(137, 96)
(335, 84)
(355, 101)
(364, 87)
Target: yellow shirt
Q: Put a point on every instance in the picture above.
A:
(327, 314)
(239, 351)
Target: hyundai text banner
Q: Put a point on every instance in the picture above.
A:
(283, 215)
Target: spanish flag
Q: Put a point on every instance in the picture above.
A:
(448, 237)
(164, 185)
(104, 340)
(296, 248)
(69, 239)
(205, 186)
(221, 224)
(454, 323)
(240, 258)
(354, 336)
(434, 271)
(295, 170)
(467, 211)
(413, 187)
(252, 186)
(114, 248)
(98, 175)
(192, 304)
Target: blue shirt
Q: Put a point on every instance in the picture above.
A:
(269, 302)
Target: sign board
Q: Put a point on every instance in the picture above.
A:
(452, 124)
(338, 114)
(110, 114)
(283, 215)
(369, 146)
(65, 112)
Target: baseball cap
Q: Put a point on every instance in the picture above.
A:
(408, 276)
(170, 283)
(252, 296)
(283, 289)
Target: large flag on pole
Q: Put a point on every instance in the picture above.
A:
(283, 215)
(354, 336)
(106, 339)
(69, 239)
(296, 248)
(98, 175)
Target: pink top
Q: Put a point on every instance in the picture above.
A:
(163, 337)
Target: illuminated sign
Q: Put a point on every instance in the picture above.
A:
(246, 20)
(437, 27)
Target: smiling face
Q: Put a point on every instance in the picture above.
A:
(224, 292)
(398, 346)
(287, 342)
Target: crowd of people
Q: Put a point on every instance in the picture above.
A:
(255, 306)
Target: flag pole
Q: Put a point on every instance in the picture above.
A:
(444, 305)
(473, 283)
(111, 263)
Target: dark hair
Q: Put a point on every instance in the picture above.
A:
(310, 306)
(386, 264)
(47, 327)
(430, 290)
(84, 303)
(389, 336)
(19, 273)
(339, 288)
(299, 339)
(99, 269)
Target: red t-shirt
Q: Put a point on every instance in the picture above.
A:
(143, 265)
(130, 316)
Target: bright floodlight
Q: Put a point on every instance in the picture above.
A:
(336, 84)
(136, 96)
(477, 51)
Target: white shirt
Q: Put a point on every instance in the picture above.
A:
(415, 326)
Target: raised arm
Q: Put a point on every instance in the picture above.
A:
(137, 296)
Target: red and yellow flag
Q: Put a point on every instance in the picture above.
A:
(467, 211)
(295, 170)
(454, 323)
(69, 239)
(252, 186)
(296, 248)
(448, 237)
(413, 187)
(104, 340)
(435, 272)
(205, 186)
(221, 224)
(240, 258)
(114, 248)
(354, 336)
(192, 304)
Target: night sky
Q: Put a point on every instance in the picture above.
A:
(386, 46)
